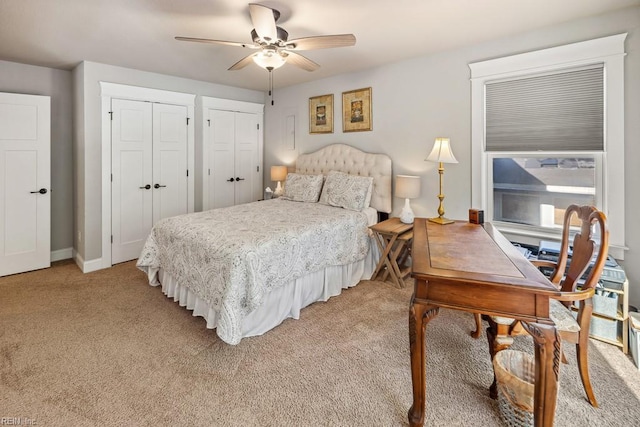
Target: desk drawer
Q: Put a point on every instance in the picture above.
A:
(487, 299)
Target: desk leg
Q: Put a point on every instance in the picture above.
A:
(478, 319)
(547, 346)
(419, 316)
(498, 341)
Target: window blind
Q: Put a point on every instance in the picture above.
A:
(555, 112)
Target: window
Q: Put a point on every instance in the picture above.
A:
(547, 132)
(548, 113)
(536, 190)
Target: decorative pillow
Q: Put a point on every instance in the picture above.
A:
(302, 188)
(347, 191)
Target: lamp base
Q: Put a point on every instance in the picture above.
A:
(279, 190)
(407, 216)
(441, 220)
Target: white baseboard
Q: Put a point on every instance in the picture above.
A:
(61, 254)
(87, 266)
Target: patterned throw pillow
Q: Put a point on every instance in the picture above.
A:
(302, 188)
(347, 191)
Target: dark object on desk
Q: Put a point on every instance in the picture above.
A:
(476, 216)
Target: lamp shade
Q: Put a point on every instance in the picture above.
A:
(407, 186)
(441, 152)
(278, 173)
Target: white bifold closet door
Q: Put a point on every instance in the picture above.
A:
(248, 183)
(234, 174)
(25, 180)
(222, 166)
(149, 171)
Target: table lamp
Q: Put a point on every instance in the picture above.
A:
(407, 187)
(441, 153)
(278, 174)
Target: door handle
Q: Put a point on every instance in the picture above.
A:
(41, 191)
(159, 186)
(146, 187)
(231, 179)
(239, 179)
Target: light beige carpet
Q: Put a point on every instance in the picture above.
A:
(106, 348)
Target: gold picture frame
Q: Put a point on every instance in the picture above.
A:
(321, 114)
(356, 110)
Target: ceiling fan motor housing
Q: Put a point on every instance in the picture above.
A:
(283, 36)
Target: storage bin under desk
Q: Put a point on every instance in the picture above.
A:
(605, 329)
(634, 338)
(607, 305)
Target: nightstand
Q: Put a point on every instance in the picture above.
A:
(394, 240)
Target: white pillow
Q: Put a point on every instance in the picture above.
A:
(302, 188)
(351, 192)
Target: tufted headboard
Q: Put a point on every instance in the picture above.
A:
(344, 158)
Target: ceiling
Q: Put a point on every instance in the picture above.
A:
(140, 34)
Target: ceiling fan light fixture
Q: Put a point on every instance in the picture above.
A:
(269, 59)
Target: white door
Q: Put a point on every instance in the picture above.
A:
(170, 181)
(132, 178)
(221, 151)
(234, 174)
(247, 185)
(25, 179)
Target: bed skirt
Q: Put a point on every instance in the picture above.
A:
(281, 303)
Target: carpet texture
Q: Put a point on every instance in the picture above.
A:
(105, 348)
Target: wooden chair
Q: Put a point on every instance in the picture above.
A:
(570, 329)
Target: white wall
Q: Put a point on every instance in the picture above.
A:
(29, 79)
(88, 182)
(417, 100)
(408, 113)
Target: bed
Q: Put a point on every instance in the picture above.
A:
(247, 268)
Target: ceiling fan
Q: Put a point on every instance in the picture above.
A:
(273, 48)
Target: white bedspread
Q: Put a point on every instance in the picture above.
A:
(232, 257)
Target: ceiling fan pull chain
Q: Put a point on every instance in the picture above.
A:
(271, 83)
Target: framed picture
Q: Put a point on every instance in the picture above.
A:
(321, 114)
(356, 110)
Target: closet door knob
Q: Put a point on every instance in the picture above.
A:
(159, 186)
(41, 191)
(231, 179)
(239, 179)
(146, 187)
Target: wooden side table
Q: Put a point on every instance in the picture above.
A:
(394, 239)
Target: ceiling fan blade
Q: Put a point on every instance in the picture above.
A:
(322, 42)
(242, 63)
(301, 61)
(264, 22)
(192, 39)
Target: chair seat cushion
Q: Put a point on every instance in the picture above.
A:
(562, 317)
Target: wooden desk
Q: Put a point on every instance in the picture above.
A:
(474, 268)
(393, 238)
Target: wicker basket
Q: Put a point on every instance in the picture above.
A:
(515, 374)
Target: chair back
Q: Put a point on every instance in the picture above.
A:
(584, 249)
